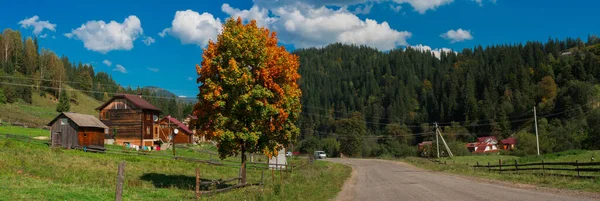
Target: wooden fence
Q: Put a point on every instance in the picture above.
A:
(543, 166)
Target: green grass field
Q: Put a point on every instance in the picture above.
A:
(555, 179)
(43, 109)
(33, 171)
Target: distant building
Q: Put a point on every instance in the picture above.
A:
(168, 124)
(131, 120)
(72, 130)
(483, 145)
(508, 143)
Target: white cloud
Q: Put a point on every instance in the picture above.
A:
(190, 27)
(420, 6)
(107, 63)
(365, 9)
(153, 69)
(458, 35)
(105, 37)
(148, 40)
(261, 15)
(480, 2)
(395, 8)
(190, 78)
(435, 52)
(120, 68)
(306, 26)
(38, 26)
(43, 35)
(182, 96)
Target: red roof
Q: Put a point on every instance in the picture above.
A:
(426, 143)
(178, 123)
(134, 99)
(482, 139)
(509, 140)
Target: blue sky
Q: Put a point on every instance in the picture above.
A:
(158, 43)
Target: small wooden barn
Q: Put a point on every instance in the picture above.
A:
(73, 130)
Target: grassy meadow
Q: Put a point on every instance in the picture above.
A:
(43, 108)
(462, 165)
(33, 171)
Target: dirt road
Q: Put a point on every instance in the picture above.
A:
(388, 180)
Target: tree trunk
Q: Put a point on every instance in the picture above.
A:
(243, 174)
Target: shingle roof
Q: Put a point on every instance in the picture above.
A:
(82, 120)
(509, 140)
(180, 125)
(134, 99)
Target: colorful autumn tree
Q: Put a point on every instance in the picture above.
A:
(249, 96)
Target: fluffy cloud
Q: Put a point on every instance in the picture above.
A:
(104, 37)
(120, 68)
(190, 78)
(306, 26)
(191, 27)
(43, 36)
(261, 15)
(365, 9)
(458, 35)
(436, 52)
(148, 40)
(153, 69)
(420, 6)
(107, 63)
(38, 26)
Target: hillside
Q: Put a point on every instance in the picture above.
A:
(43, 108)
(396, 96)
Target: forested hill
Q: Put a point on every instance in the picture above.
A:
(489, 90)
(25, 69)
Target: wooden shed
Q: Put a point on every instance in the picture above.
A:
(73, 130)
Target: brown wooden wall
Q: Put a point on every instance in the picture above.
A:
(91, 136)
(132, 124)
(182, 137)
(64, 135)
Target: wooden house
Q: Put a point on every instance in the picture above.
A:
(72, 130)
(131, 120)
(483, 145)
(168, 124)
(508, 143)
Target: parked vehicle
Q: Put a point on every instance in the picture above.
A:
(320, 155)
(288, 154)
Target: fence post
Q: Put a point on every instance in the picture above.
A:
(543, 168)
(197, 183)
(262, 176)
(577, 163)
(120, 178)
(474, 168)
(516, 166)
(500, 165)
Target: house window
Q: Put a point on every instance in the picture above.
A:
(148, 130)
(104, 115)
(147, 117)
(63, 121)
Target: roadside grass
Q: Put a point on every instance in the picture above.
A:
(462, 165)
(33, 171)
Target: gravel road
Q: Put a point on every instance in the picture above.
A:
(388, 180)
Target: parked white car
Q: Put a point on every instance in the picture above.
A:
(320, 155)
(288, 154)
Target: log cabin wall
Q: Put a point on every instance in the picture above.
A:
(124, 118)
(91, 136)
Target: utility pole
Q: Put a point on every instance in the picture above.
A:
(437, 142)
(437, 131)
(537, 140)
